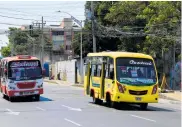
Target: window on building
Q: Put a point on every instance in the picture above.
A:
(68, 47)
(69, 38)
(58, 33)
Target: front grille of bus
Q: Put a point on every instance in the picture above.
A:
(26, 85)
(138, 92)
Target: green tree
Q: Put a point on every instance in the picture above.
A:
(86, 43)
(19, 41)
(163, 25)
(5, 51)
(123, 16)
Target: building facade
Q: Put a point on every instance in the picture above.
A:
(59, 37)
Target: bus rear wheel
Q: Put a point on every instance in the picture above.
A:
(143, 106)
(97, 101)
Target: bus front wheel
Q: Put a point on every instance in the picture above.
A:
(143, 106)
(37, 97)
(11, 99)
(4, 96)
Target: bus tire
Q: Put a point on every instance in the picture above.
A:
(143, 106)
(37, 97)
(115, 105)
(108, 100)
(97, 101)
(4, 96)
(11, 99)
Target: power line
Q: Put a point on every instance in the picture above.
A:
(10, 24)
(30, 19)
(39, 15)
(27, 13)
(15, 17)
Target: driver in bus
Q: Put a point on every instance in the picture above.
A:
(129, 72)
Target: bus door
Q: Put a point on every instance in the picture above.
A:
(102, 88)
(87, 78)
(109, 75)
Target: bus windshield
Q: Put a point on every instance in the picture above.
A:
(135, 71)
(25, 70)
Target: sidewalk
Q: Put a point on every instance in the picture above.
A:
(59, 82)
(176, 96)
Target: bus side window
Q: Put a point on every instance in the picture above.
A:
(107, 71)
(111, 73)
(94, 70)
(110, 69)
(99, 70)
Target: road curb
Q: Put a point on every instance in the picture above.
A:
(50, 81)
(80, 86)
(59, 82)
(171, 100)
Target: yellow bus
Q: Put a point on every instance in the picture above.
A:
(117, 77)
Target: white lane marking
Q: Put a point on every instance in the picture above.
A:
(74, 109)
(40, 108)
(143, 118)
(72, 122)
(11, 112)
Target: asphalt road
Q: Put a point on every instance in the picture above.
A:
(67, 106)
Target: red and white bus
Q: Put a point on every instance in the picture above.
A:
(21, 76)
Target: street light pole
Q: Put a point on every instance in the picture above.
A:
(93, 28)
(81, 53)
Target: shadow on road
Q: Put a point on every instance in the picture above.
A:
(30, 99)
(134, 107)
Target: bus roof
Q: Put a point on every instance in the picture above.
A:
(20, 57)
(120, 54)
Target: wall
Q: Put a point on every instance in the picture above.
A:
(66, 69)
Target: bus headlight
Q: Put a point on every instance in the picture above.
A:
(154, 90)
(120, 88)
(11, 81)
(11, 88)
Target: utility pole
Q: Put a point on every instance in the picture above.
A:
(42, 40)
(37, 25)
(81, 57)
(173, 67)
(93, 31)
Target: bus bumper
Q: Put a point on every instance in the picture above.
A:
(14, 93)
(136, 99)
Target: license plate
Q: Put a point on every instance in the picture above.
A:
(138, 98)
(26, 93)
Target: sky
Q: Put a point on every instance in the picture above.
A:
(32, 11)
